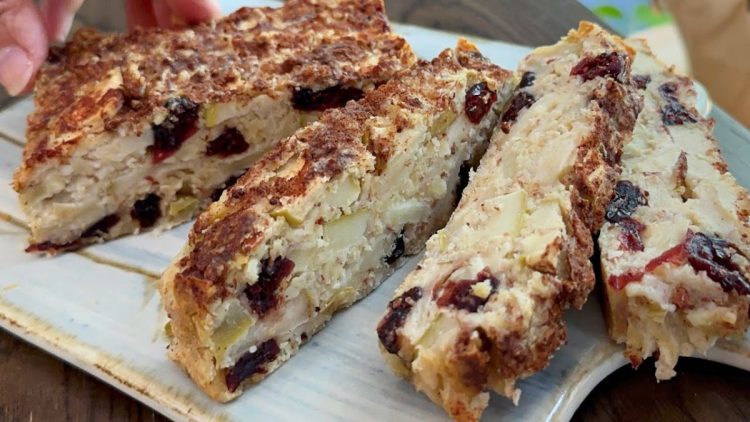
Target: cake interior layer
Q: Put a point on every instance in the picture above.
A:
(344, 238)
(675, 247)
(159, 178)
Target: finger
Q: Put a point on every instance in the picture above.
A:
(165, 17)
(58, 17)
(140, 13)
(23, 44)
(194, 11)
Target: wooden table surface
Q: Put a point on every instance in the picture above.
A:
(37, 386)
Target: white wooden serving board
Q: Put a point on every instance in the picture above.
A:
(99, 310)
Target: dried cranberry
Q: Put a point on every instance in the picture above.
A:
(460, 294)
(519, 101)
(479, 101)
(178, 126)
(527, 79)
(641, 81)
(398, 309)
(263, 295)
(98, 229)
(630, 234)
(621, 280)
(627, 198)
(305, 99)
(101, 227)
(216, 194)
(673, 113)
(604, 65)
(251, 363)
(675, 255)
(398, 250)
(230, 142)
(714, 256)
(668, 90)
(147, 211)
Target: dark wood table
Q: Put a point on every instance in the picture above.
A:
(37, 386)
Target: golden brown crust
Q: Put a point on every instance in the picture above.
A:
(105, 82)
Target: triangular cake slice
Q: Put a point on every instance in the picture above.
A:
(483, 308)
(137, 131)
(324, 217)
(675, 247)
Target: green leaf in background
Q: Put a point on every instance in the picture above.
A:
(649, 16)
(608, 12)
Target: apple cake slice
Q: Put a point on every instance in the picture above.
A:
(143, 130)
(484, 307)
(324, 217)
(675, 247)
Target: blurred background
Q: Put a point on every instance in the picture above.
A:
(707, 39)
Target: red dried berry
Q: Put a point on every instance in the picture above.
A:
(627, 198)
(98, 229)
(630, 234)
(146, 211)
(479, 101)
(521, 100)
(714, 256)
(604, 65)
(263, 296)
(398, 309)
(230, 142)
(305, 99)
(101, 227)
(177, 127)
(709, 254)
(641, 81)
(251, 363)
(460, 294)
(673, 113)
(675, 255)
(619, 281)
(527, 79)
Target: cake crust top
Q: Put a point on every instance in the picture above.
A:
(101, 82)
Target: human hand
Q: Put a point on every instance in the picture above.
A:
(26, 30)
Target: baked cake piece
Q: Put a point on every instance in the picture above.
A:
(675, 247)
(137, 131)
(484, 307)
(324, 217)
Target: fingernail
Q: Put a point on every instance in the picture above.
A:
(65, 25)
(15, 69)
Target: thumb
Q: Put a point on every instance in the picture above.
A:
(23, 44)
